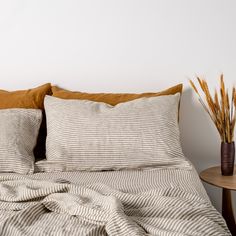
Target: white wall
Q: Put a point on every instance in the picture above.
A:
(124, 46)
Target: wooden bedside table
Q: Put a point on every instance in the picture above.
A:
(227, 183)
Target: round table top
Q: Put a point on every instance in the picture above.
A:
(213, 176)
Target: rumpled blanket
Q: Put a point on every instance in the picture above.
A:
(38, 207)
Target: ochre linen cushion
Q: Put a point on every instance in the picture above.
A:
(30, 98)
(111, 98)
(95, 136)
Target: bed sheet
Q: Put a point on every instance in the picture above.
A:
(160, 201)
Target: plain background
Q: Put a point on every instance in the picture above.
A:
(125, 46)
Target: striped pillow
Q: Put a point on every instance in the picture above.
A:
(19, 131)
(87, 135)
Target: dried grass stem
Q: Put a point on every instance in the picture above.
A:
(221, 109)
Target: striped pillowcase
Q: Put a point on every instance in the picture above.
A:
(87, 135)
(18, 136)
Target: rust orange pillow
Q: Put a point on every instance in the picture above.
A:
(31, 98)
(111, 98)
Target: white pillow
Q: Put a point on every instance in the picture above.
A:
(87, 135)
(19, 131)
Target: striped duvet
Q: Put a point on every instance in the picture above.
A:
(162, 201)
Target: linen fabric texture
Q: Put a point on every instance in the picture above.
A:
(87, 135)
(111, 98)
(162, 201)
(30, 98)
(33, 99)
(18, 136)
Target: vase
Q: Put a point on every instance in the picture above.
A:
(227, 158)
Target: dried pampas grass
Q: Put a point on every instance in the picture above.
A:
(221, 108)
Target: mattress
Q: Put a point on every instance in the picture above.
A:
(159, 201)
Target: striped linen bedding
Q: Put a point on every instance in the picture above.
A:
(93, 136)
(160, 201)
(18, 136)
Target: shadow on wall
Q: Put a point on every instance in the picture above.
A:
(199, 137)
(200, 140)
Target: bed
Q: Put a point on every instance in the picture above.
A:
(114, 166)
(159, 201)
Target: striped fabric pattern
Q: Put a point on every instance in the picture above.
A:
(19, 131)
(87, 135)
(161, 201)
